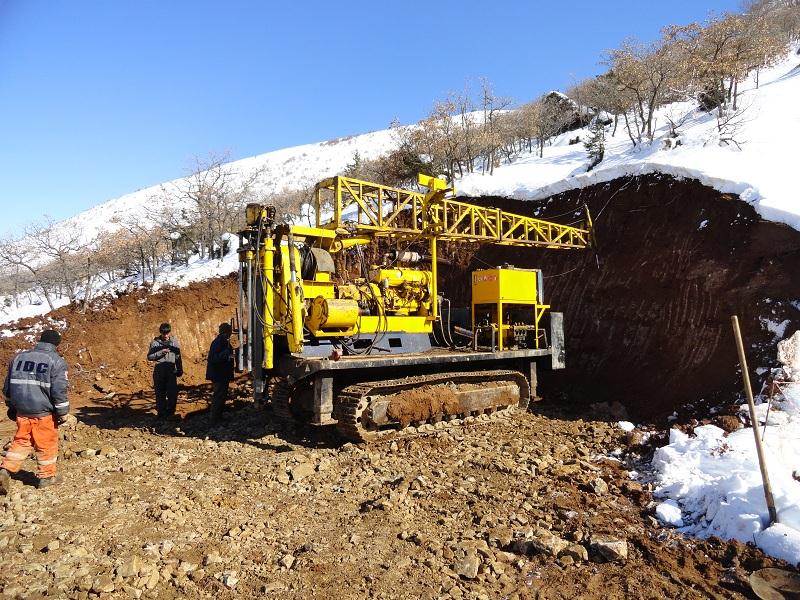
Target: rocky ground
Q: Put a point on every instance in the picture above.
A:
(529, 506)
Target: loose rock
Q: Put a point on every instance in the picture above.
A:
(598, 486)
(609, 548)
(468, 566)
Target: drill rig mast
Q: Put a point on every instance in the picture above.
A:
(322, 342)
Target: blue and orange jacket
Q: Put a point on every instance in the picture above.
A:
(36, 383)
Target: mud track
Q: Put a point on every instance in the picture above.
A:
(255, 509)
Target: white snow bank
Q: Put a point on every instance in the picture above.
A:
(761, 172)
(712, 483)
(789, 356)
(9, 314)
(781, 542)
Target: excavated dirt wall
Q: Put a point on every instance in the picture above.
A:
(106, 347)
(647, 316)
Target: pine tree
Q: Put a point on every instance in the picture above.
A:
(354, 168)
(596, 144)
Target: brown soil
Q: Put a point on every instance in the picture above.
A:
(421, 404)
(647, 317)
(254, 509)
(429, 401)
(106, 348)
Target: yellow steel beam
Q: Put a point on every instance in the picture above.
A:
(378, 208)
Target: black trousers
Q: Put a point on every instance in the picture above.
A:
(165, 384)
(219, 394)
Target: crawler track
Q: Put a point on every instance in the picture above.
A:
(354, 403)
(280, 394)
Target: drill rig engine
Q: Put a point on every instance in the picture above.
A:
(325, 346)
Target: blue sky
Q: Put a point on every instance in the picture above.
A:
(99, 98)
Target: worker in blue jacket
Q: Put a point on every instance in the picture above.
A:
(219, 370)
(35, 389)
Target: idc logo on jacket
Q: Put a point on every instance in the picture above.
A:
(36, 384)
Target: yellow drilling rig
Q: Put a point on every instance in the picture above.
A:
(372, 347)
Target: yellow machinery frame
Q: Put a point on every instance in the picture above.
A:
(376, 210)
(363, 211)
(502, 287)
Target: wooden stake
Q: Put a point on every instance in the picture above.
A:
(769, 408)
(762, 463)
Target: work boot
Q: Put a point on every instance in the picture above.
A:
(5, 482)
(48, 481)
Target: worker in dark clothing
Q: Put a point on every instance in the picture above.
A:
(165, 351)
(36, 394)
(219, 370)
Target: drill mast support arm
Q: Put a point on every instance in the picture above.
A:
(375, 210)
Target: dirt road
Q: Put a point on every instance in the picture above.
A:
(523, 507)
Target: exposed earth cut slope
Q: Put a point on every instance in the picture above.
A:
(647, 315)
(519, 508)
(106, 347)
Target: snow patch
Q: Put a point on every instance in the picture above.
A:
(669, 513)
(781, 542)
(714, 481)
(778, 329)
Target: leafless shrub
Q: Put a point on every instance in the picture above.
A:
(730, 123)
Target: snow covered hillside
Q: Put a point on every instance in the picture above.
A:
(287, 169)
(761, 172)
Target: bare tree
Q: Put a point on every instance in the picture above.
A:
(603, 94)
(511, 134)
(214, 192)
(650, 74)
(730, 122)
(676, 118)
(58, 245)
(145, 243)
(470, 130)
(23, 258)
(782, 18)
(543, 119)
(728, 48)
(289, 203)
(492, 106)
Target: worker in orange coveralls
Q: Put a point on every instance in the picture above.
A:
(36, 394)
